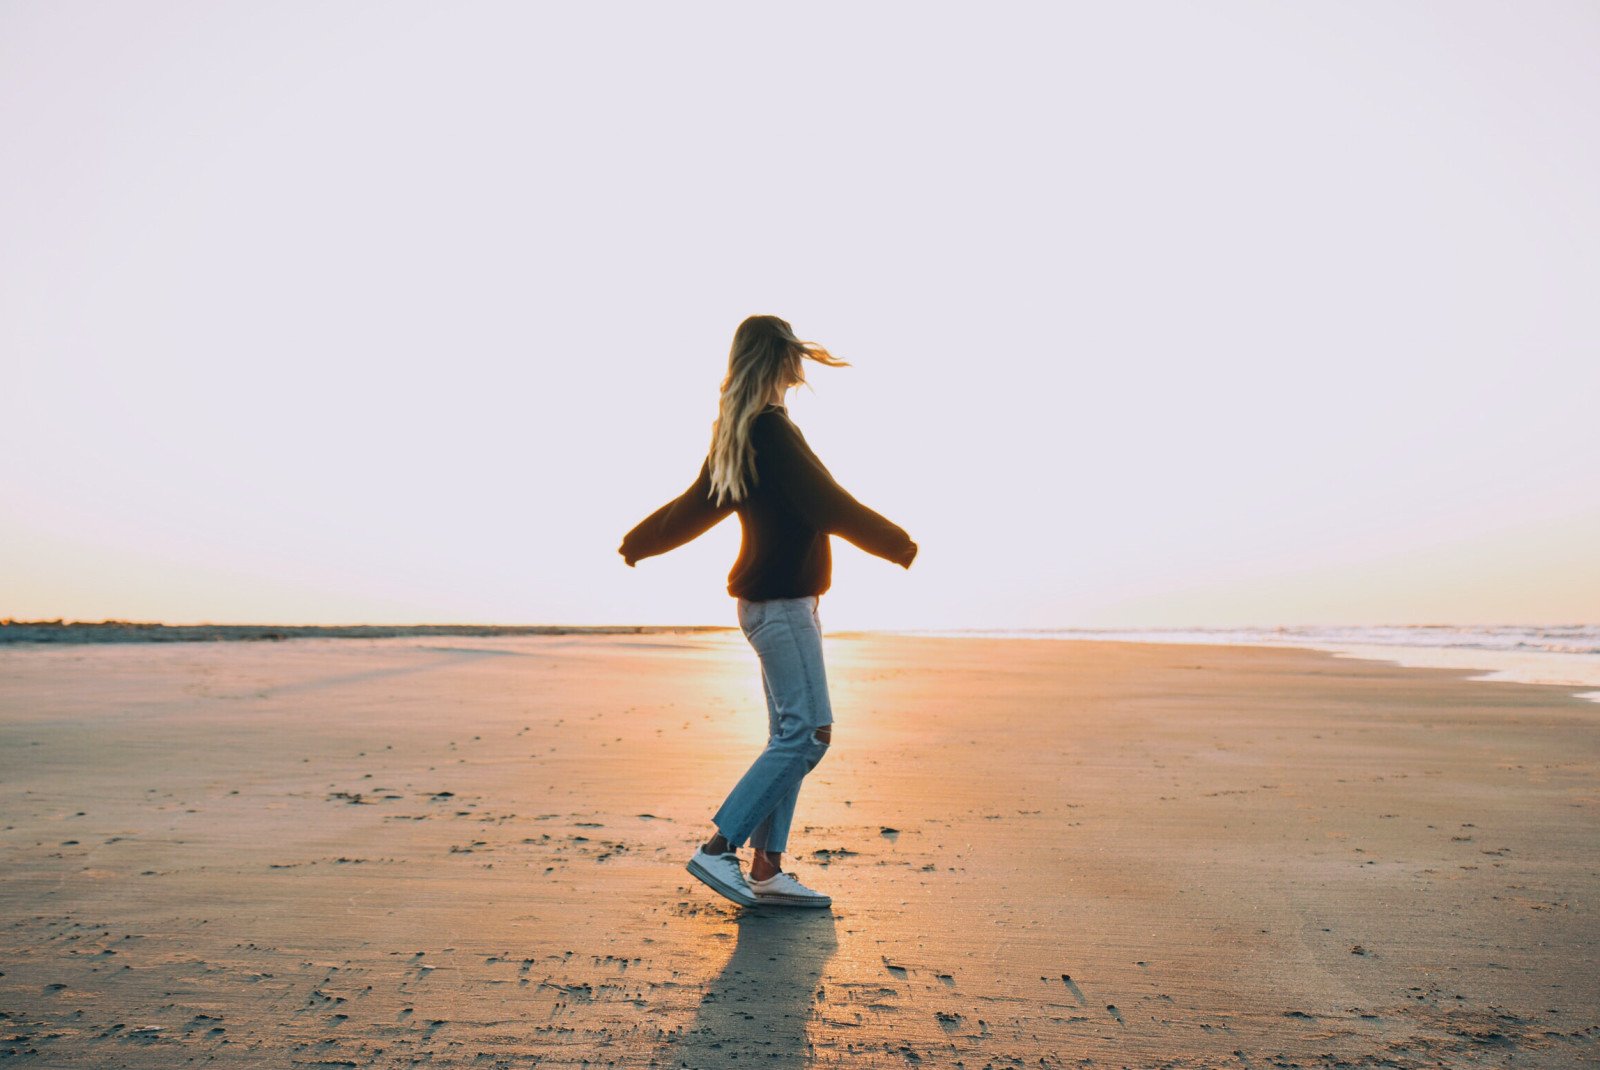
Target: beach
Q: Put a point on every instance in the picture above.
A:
(468, 851)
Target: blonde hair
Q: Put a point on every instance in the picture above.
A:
(765, 355)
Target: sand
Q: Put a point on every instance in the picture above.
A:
(469, 851)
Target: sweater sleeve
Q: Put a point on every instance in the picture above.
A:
(686, 517)
(811, 492)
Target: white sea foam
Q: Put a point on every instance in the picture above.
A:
(1563, 655)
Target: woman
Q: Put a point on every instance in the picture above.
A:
(761, 468)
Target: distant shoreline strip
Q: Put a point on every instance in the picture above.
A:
(78, 632)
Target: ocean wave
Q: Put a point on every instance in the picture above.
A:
(1565, 655)
(1553, 639)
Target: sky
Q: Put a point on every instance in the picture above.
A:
(1159, 314)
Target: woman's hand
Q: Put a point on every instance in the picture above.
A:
(623, 550)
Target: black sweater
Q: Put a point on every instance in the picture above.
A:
(785, 518)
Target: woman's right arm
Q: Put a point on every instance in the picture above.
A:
(811, 491)
(687, 517)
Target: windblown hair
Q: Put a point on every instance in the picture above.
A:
(765, 355)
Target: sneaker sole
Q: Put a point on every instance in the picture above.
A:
(744, 898)
(793, 901)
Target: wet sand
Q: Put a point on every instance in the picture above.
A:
(467, 851)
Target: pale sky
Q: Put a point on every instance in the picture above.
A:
(1160, 314)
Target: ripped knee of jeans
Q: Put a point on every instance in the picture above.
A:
(819, 745)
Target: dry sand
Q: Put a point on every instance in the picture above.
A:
(468, 852)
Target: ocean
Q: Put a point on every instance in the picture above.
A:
(1566, 655)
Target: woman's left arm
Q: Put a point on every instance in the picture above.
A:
(685, 518)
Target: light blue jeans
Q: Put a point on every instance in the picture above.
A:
(787, 636)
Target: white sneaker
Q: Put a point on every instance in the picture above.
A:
(721, 873)
(783, 890)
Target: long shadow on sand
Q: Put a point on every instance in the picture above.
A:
(758, 1006)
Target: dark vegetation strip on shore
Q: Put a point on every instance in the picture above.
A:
(122, 631)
